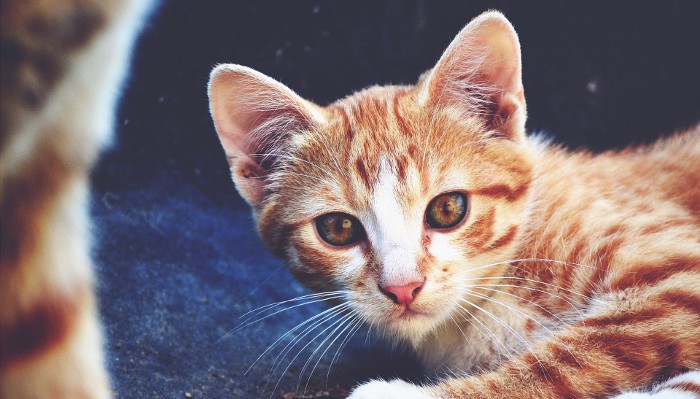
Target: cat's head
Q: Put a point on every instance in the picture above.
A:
(398, 194)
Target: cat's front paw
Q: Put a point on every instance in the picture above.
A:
(395, 389)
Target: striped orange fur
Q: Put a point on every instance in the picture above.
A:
(572, 275)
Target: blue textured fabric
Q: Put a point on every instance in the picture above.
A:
(177, 255)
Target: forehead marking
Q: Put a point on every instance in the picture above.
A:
(395, 235)
(390, 217)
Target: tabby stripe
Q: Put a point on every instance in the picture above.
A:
(362, 171)
(403, 125)
(687, 301)
(24, 205)
(625, 349)
(401, 166)
(649, 274)
(671, 353)
(481, 229)
(563, 355)
(505, 239)
(684, 387)
(502, 191)
(602, 259)
(636, 353)
(647, 357)
(349, 133)
(575, 254)
(550, 374)
(529, 323)
(40, 329)
(319, 261)
(641, 316)
(413, 152)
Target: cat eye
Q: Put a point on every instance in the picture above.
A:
(339, 229)
(446, 210)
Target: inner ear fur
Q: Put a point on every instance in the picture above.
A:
(255, 116)
(480, 74)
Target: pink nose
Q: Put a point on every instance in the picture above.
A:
(403, 294)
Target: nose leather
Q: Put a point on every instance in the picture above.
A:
(403, 294)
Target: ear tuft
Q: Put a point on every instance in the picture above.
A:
(255, 116)
(480, 73)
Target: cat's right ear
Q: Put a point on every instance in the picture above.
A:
(255, 116)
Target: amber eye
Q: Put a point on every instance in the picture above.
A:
(446, 210)
(339, 229)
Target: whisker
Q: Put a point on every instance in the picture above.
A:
(344, 320)
(301, 350)
(509, 328)
(314, 295)
(290, 345)
(269, 348)
(573, 306)
(470, 323)
(367, 338)
(521, 298)
(536, 282)
(507, 348)
(511, 261)
(518, 311)
(350, 322)
(245, 324)
(356, 326)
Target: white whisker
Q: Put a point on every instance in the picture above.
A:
(290, 345)
(509, 328)
(508, 349)
(315, 295)
(356, 326)
(573, 306)
(519, 312)
(302, 349)
(350, 322)
(333, 309)
(511, 261)
(521, 298)
(245, 324)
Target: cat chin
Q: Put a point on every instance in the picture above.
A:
(411, 327)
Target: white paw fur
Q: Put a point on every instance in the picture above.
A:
(395, 389)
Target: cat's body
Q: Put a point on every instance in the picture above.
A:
(62, 66)
(534, 271)
(614, 220)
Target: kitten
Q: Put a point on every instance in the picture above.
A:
(537, 272)
(62, 63)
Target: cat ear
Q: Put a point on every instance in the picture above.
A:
(480, 73)
(255, 116)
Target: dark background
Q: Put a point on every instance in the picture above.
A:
(178, 258)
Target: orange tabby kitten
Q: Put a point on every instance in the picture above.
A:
(62, 63)
(537, 272)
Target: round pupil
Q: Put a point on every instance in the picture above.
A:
(337, 229)
(446, 210)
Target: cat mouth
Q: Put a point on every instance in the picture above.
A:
(410, 314)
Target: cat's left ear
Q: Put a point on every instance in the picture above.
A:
(255, 117)
(480, 73)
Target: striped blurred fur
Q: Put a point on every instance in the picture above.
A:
(62, 65)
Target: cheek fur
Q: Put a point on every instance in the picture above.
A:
(442, 247)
